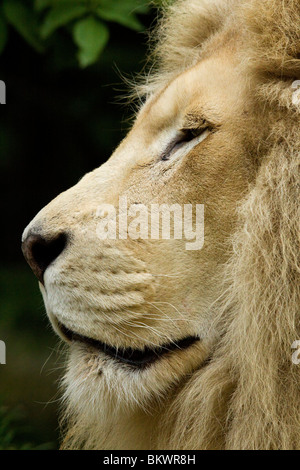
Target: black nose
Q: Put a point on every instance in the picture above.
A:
(41, 252)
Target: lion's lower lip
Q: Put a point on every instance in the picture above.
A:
(133, 357)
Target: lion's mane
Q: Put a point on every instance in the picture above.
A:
(247, 397)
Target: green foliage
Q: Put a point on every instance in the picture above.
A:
(21, 18)
(13, 429)
(60, 15)
(7, 431)
(91, 36)
(38, 22)
(122, 12)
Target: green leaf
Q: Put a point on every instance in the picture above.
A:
(24, 21)
(123, 12)
(60, 16)
(3, 34)
(40, 5)
(130, 21)
(91, 36)
(131, 6)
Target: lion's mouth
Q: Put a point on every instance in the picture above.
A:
(138, 358)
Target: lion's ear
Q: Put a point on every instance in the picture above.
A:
(273, 36)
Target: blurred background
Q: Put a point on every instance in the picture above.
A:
(61, 61)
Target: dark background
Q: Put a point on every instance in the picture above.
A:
(59, 122)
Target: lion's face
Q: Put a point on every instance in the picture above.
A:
(117, 302)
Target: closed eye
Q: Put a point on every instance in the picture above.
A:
(186, 137)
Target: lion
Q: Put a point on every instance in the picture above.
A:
(171, 348)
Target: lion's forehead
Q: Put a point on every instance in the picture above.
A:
(209, 90)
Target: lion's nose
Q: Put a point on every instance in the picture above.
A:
(41, 252)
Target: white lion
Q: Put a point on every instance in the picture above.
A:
(179, 349)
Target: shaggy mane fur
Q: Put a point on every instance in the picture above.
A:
(248, 395)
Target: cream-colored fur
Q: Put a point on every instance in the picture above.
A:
(230, 64)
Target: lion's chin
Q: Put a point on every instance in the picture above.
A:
(135, 358)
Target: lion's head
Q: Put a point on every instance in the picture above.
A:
(173, 346)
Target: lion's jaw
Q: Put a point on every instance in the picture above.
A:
(144, 293)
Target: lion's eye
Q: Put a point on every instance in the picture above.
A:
(185, 136)
(191, 134)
